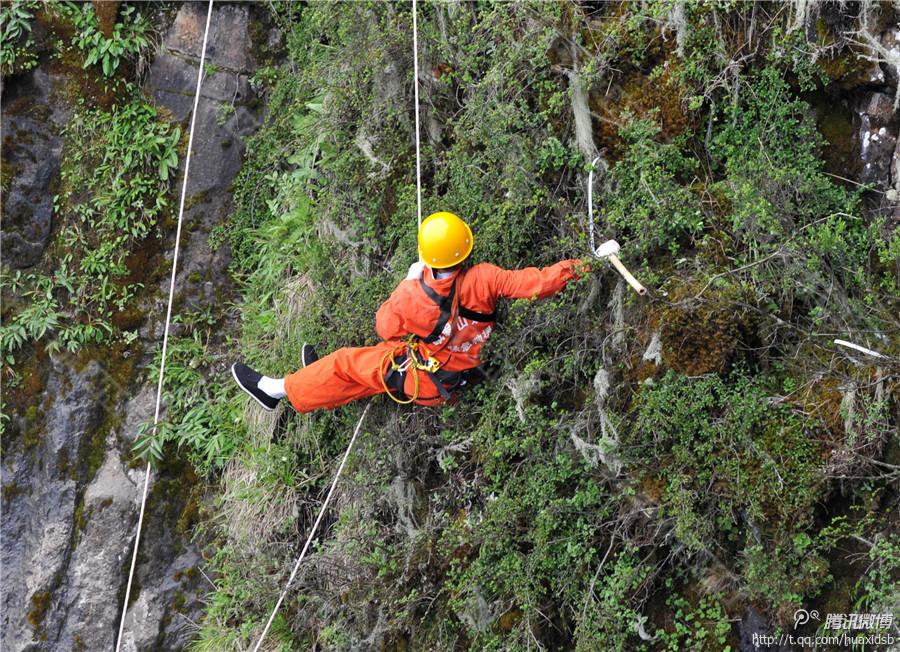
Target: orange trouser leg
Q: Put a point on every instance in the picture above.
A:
(345, 375)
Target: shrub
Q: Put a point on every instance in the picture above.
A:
(650, 205)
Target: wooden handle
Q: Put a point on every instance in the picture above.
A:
(632, 281)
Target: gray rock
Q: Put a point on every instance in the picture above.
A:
(31, 157)
(752, 626)
(68, 522)
(229, 42)
(38, 522)
(229, 111)
(877, 138)
(895, 170)
(95, 575)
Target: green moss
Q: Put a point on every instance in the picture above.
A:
(196, 199)
(129, 319)
(189, 515)
(702, 335)
(32, 434)
(63, 465)
(80, 519)
(10, 491)
(40, 603)
(836, 126)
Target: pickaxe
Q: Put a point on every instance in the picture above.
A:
(610, 248)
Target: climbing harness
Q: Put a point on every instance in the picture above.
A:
(162, 364)
(397, 362)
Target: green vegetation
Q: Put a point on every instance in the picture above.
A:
(699, 628)
(130, 35)
(17, 50)
(114, 184)
(200, 417)
(878, 590)
(587, 496)
(499, 523)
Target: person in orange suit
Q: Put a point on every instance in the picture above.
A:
(432, 329)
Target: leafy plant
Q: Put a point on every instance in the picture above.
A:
(130, 35)
(699, 627)
(114, 182)
(202, 423)
(650, 203)
(15, 18)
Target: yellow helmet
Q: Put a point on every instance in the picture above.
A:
(444, 240)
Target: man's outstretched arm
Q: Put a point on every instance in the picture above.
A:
(528, 283)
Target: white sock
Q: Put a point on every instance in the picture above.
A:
(274, 387)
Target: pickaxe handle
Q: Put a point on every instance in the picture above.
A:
(632, 281)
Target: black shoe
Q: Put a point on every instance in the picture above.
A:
(308, 354)
(248, 380)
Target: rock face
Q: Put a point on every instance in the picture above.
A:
(877, 138)
(42, 491)
(228, 112)
(31, 154)
(70, 496)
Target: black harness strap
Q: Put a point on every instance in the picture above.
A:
(477, 316)
(446, 306)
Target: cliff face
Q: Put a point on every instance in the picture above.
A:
(71, 488)
(681, 471)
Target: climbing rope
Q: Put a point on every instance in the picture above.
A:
(314, 528)
(590, 199)
(359, 423)
(416, 93)
(162, 364)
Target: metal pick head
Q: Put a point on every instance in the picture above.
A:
(607, 249)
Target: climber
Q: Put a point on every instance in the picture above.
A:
(432, 329)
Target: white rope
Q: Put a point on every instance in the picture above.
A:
(314, 528)
(162, 365)
(416, 93)
(590, 199)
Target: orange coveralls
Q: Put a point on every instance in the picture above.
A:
(352, 373)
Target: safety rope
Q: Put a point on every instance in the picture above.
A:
(416, 93)
(389, 362)
(314, 528)
(590, 199)
(337, 475)
(162, 364)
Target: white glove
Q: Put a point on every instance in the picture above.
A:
(416, 271)
(608, 248)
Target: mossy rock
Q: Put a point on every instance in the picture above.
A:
(701, 330)
(638, 94)
(40, 603)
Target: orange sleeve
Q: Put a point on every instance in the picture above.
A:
(390, 320)
(528, 283)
